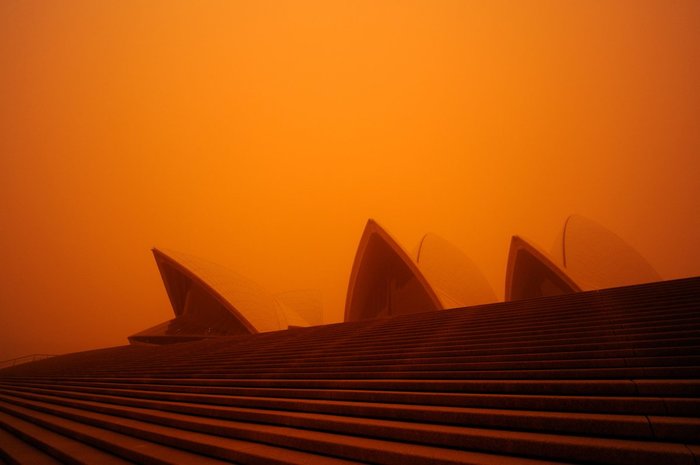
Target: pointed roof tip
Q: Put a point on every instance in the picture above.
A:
(373, 224)
(246, 300)
(370, 222)
(374, 229)
(515, 239)
(424, 260)
(157, 251)
(179, 259)
(519, 242)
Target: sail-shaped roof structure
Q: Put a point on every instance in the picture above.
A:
(455, 278)
(531, 273)
(597, 258)
(587, 256)
(210, 300)
(385, 280)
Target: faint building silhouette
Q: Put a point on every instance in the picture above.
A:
(386, 281)
(597, 258)
(531, 273)
(586, 256)
(210, 300)
(454, 277)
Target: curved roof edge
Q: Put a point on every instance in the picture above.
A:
(518, 245)
(372, 228)
(441, 262)
(562, 246)
(598, 258)
(557, 253)
(165, 260)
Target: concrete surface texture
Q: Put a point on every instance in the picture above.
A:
(604, 377)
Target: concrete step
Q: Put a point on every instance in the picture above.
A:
(316, 400)
(607, 377)
(438, 352)
(681, 357)
(463, 359)
(464, 347)
(670, 387)
(331, 414)
(541, 350)
(231, 440)
(476, 332)
(15, 450)
(49, 445)
(613, 372)
(495, 337)
(158, 445)
(534, 445)
(691, 358)
(542, 346)
(306, 399)
(573, 362)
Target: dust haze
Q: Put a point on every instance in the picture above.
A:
(262, 135)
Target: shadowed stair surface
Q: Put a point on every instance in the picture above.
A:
(602, 377)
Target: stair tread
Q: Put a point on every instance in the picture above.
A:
(171, 452)
(296, 399)
(339, 443)
(519, 442)
(20, 451)
(604, 377)
(613, 425)
(57, 444)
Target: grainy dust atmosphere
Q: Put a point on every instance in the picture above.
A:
(262, 134)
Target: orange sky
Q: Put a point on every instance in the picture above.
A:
(262, 135)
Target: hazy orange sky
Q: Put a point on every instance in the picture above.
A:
(263, 134)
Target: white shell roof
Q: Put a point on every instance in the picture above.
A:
(455, 278)
(255, 307)
(597, 258)
(360, 269)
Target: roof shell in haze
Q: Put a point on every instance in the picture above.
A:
(531, 273)
(455, 278)
(257, 309)
(383, 272)
(597, 258)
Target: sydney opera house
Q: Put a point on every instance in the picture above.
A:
(591, 358)
(586, 257)
(210, 300)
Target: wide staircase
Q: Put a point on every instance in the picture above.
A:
(602, 377)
